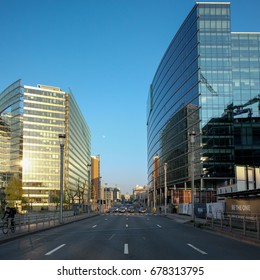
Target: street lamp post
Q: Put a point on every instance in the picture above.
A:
(154, 197)
(62, 143)
(89, 188)
(165, 188)
(192, 142)
(99, 193)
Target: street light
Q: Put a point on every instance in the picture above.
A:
(62, 138)
(89, 187)
(165, 187)
(99, 193)
(192, 142)
(155, 166)
(154, 197)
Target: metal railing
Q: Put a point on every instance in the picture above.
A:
(246, 225)
(36, 221)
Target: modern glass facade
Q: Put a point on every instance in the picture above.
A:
(246, 97)
(206, 71)
(32, 119)
(11, 117)
(78, 153)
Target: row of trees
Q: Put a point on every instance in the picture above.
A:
(72, 196)
(13, 192)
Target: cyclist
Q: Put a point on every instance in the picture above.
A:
(9, 214)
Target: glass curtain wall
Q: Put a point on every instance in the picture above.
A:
(173, 108)
(217, 153)
(246, 97)
(11, 137)
(31, 119)
(78, 153)
(43, 121)
(208, 81)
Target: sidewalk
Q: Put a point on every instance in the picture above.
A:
(185, 219)
(205, 224)
(40, 225)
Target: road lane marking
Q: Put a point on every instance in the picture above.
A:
(94, 226)
(197, 249)
(111, 236)
(126, 249)
(54, 250)
(126, 225)
(159, 226)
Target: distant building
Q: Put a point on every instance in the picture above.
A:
(31, 119)
(127, 196)
(141, 193)
(116, 194)
(95, 179)
(208, 82)
(109, 196)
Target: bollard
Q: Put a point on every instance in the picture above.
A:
(258, 229)
(230, 223)
(244, 225)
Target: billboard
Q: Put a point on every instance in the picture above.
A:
(243, 205)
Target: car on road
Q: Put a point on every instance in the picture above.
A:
(142, 210)
(113, 210)
(122, 209)
(131, 209)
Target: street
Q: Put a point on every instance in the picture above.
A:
(127, 237)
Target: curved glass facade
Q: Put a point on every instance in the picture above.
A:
(174, 106)
(207, 82)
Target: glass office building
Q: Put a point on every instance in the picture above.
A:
(31, 120)
(208, 83)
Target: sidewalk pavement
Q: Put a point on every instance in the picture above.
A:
(215, 228)
(184, 218)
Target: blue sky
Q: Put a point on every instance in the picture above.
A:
(106, 52)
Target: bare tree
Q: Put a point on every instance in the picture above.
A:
(72, 194)
(81, 192)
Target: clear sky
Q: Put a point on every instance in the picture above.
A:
(106, 52)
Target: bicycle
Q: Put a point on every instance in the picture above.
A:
(8, 224)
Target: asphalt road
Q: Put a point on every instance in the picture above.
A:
(127, 237)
